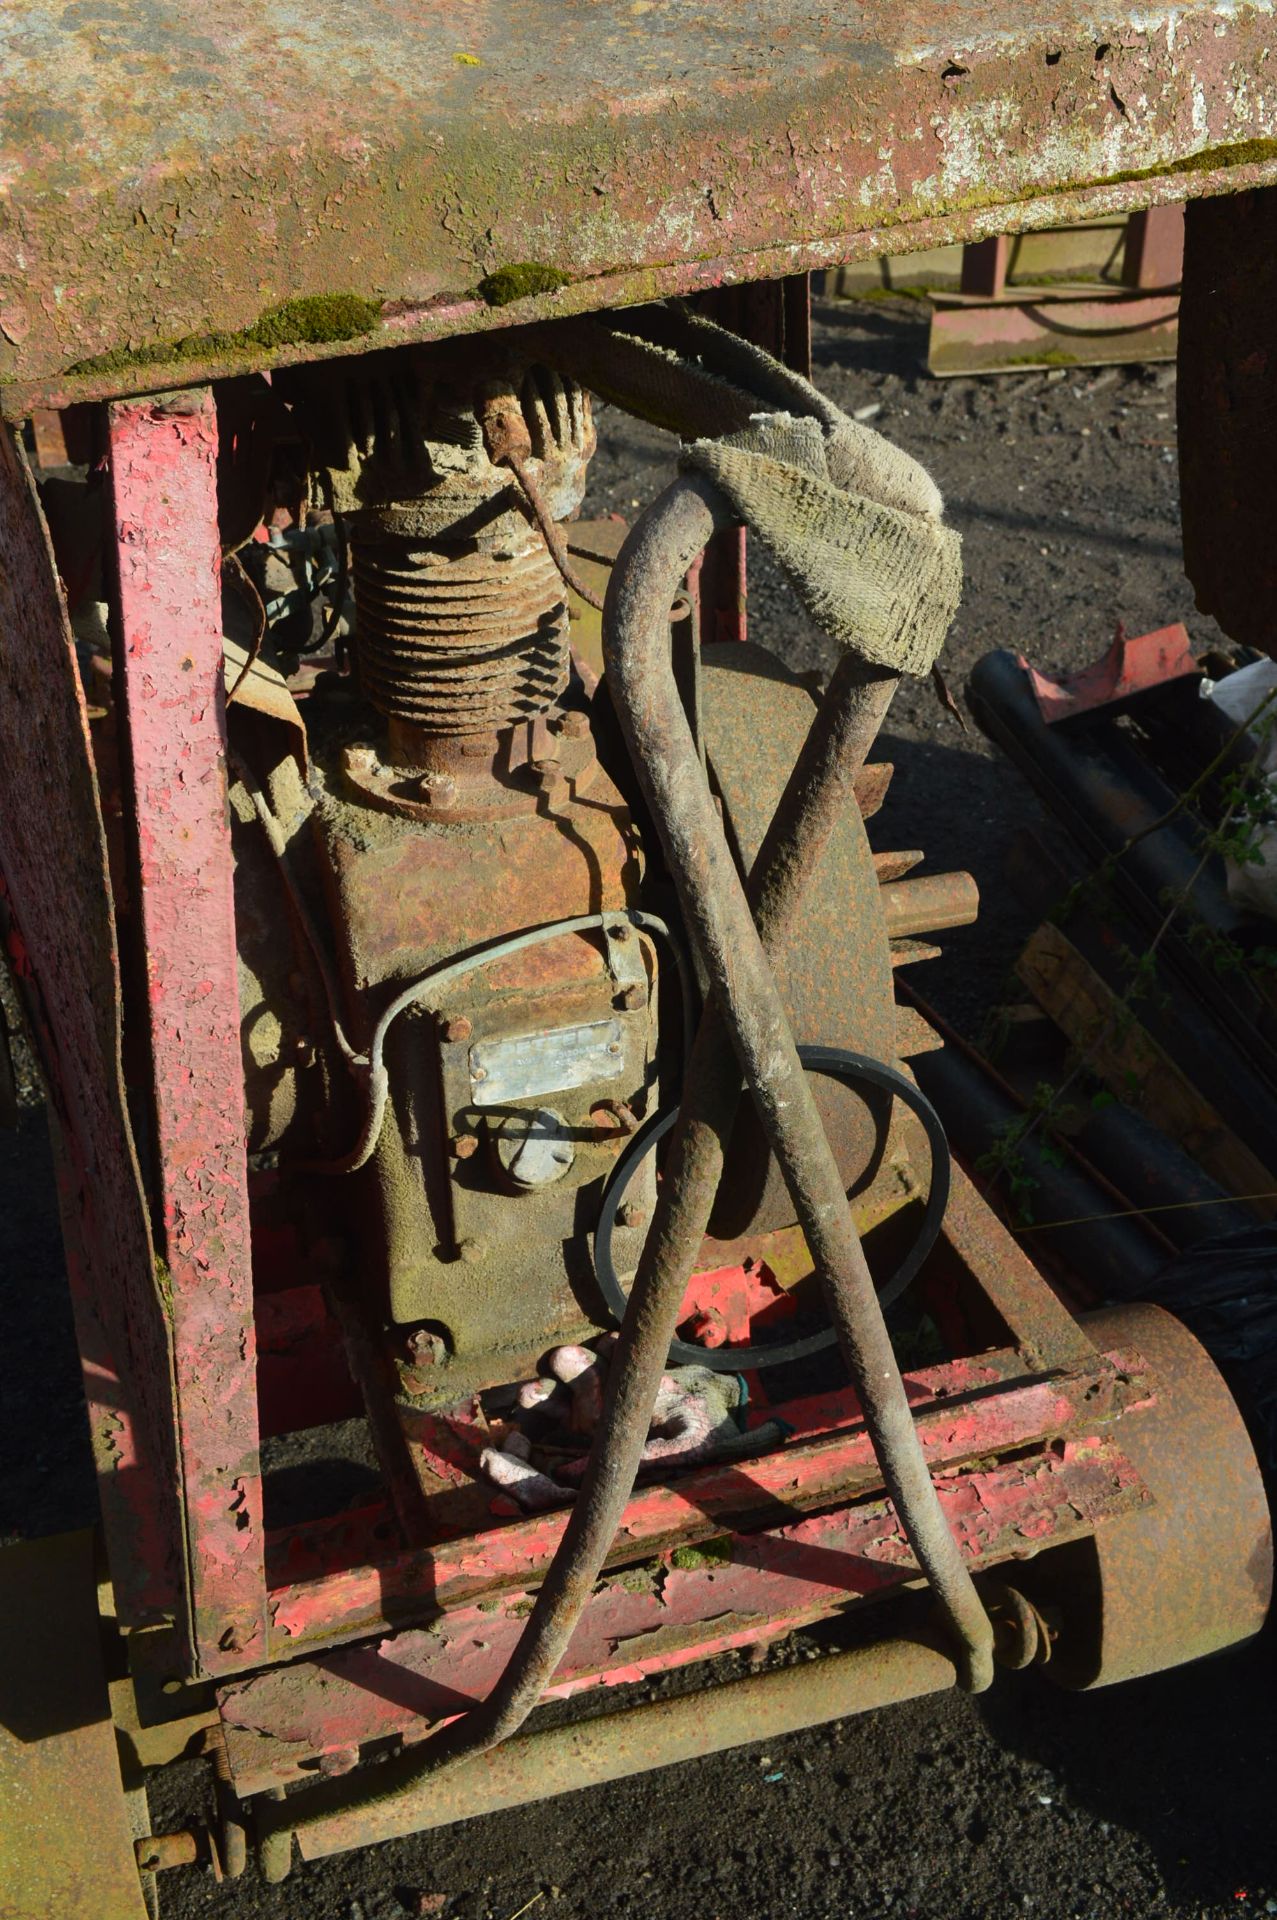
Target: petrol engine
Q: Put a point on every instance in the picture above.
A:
(486, 995)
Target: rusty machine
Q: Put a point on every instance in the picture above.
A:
(490, 1167)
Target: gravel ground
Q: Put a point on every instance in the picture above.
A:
(1153, 1800)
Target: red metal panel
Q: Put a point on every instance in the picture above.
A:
(302, 1376)
(164, 479)
(745, 1590)
(57, 923)
(1045, 330)
(720, 581)
(1154, 252)
(1129, 667)
(984, 266)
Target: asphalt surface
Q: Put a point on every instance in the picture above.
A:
(1149, 1800)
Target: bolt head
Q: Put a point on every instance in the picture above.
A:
(439, 790)
(621, 931)
(574, 725)
(465, 1146)
(630, 1216)
(631, 999)
(455, 1029)
(708, 1327)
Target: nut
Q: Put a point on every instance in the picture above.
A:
(631, 999)
(621, 931)
(465, 1145)
(455, 1029)
(630, 1216)
(425, 1349)
(472, 1251)
(574, 725)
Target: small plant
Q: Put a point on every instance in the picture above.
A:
(1248, 815)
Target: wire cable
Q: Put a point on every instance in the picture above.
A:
(431, 984)
(853, 1069)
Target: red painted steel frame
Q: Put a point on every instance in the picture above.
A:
(969, 1409)
(748, 1589)
(58, 930)
(163, 456)
(164, 479)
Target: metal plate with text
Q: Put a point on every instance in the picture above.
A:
(529, 1064)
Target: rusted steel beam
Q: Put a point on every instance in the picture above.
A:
(984, 266)
(58, 928)
(164, 488)
(1029, 329)
(616, 1745)
(627, 155)
(1040, 1324)
(965, 1410)
(743, 1590)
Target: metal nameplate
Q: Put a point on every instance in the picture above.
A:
(535, 1063)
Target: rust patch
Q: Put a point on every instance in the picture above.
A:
(319, 1595)
(789, 138)
(753, 1588)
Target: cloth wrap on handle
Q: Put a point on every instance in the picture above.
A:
(854, 522)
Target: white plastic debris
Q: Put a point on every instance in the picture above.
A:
(692, 1415)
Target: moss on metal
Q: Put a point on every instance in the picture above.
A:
(1049, 357)
(313, 320)
(164, 1286)
(710, 1553)
(518, 282)
(1242, 153)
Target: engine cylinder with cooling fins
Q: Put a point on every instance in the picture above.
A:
(454, 639)
(461, 617)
